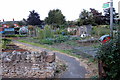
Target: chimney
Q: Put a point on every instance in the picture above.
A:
(13, 19)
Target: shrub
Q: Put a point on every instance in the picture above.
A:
(100, 31)
(57, 31)
(72, 32)
(41, 34)
(57, 39)
(109, 54)
(48, 32)
(61, 38)
(45, 33)
(15, 35)
(60, 31)
(5, 42)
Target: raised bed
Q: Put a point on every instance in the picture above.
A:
(12, 47)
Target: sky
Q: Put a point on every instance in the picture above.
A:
(19, 9)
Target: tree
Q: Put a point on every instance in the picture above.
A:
(85, 18)
(34, 18)
(107, 15)
(97, 16)
(55, 18)
(21, 23)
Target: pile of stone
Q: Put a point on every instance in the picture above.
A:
(28, 64)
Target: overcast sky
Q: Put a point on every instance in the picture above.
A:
(19, 9)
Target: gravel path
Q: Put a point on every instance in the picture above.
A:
(74, 69)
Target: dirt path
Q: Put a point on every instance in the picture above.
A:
(77, 68)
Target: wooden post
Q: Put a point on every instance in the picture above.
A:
(101, 70)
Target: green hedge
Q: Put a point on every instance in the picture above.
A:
(16, 35)
(109, 53)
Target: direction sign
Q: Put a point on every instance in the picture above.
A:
(106, 5)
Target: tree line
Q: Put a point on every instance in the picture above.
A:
(57, 19)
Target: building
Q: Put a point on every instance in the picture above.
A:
(85, 29)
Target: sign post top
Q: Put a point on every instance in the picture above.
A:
(106, 5)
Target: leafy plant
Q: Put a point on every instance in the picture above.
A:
(5, 42)
(61, 38)
(100, 30)
(15, 35)
(60, 31)
(45, 33)
(41, 34)
(109, 54)
(48, 32)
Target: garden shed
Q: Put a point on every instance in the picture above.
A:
(85, 29)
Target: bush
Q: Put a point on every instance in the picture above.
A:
(48, 32)
(41, 34)
(100, 30)
(57, 39)
(5, 42)
(60, 31)
(109, 54)
(15, 35)
(45, 33)
(61, 38)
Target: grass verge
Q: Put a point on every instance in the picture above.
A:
(69, 52)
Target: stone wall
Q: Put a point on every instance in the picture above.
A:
(28, 64)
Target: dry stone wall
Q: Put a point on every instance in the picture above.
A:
(28, 64)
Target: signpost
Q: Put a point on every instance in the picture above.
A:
(111, 19)
(106, 5)
(110, 5)
(101, 65)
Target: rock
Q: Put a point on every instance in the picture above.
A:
(35, 67)
(28, 64)
(7, 59)
(14, 52)
(13, 58)
(50, 57)
(4, 54)
(23, 57)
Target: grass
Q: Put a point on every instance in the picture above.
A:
(69, 52)
(66, 51)
(100, 30)
(71, 43)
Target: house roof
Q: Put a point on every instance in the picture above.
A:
(7, 22)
